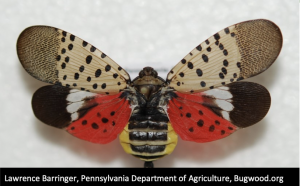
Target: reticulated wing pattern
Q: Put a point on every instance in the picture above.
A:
(56, 56)
(237, 52)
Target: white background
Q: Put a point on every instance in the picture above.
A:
(138, 33)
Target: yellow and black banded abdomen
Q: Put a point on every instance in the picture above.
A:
(148, 140)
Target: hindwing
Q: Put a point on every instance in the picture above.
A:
(92, 117)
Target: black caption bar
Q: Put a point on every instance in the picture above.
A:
(86, 176)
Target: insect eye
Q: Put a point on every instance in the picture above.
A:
(154, 73)
(141, 74)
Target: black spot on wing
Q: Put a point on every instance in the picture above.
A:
(225, 52)
(115, 75)
(70, 46)
(225, 63)
(72, 37)
(98, 73)
(199, 47)
(224, 70)
(95, 85)
(95, 126)
(76, 76)
(92, 49)
(188, 115)
(88, 59)
(84, 43)
(211, 128)
(190, 65)
(63, 65)
(226, 30)
(107, 68)
(205, 58)
(199, 72)
(217, 36)
(221, 46)
(64, 33)
(67, 59)
(200, 123)
(81, 68)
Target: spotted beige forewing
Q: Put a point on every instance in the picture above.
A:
(55, 56)
(237, 52)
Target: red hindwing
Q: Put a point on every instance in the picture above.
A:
(193, 121)
(104, 122)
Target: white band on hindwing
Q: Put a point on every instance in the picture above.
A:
(75, 100)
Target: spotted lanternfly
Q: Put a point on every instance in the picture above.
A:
(201, 100)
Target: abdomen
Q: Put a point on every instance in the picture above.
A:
(148, 137)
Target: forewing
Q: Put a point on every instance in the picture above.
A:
(92, 117)
(215, 114)
(237, 52)
(56, 56)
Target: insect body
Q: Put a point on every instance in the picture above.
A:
(201, 100)
(149, 134)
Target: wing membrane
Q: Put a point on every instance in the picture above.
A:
(237, 52)
(214, 114)
(56, 56)
(92, 117)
